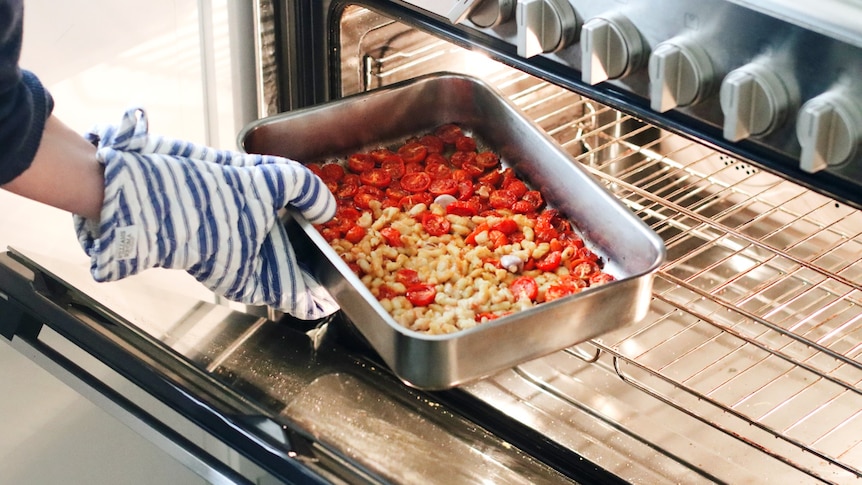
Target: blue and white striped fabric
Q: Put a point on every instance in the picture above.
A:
(213, 213)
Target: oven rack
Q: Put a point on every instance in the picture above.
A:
(756, 321)
(755, 325)
(781, 299)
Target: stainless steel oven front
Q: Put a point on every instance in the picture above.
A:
(729, 127)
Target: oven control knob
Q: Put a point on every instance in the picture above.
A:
(483, 13)
(680, 74)
(544, 26)
(611, 48)
(829, 129)
(754, 101)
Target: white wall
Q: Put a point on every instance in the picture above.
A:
(99, 57)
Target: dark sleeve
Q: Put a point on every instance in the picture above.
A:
(24, 103)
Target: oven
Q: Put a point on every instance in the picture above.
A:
(731, 128)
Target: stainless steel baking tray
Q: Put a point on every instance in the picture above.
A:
(632, 251)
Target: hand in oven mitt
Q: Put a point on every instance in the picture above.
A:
(213, 213)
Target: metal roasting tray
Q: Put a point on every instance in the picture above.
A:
(632, 251)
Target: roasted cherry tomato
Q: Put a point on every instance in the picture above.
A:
(492, 179)
(487, 159)
(392, 236)
(449, 133)
(502, 199)
(600, 278)
(407, 277)
(560, 290)
(355, 234)
(380, 154)
(465, 144)
(411, 200)
(360, 162)
(394, 166)
(506, 226)
(435, 225)
(442, 186)
(583, 268)
(550, 261)
(433, 144)
(458, 159)
(524, 286)
(515, 186)
(376, 177)
(421, 294)
(385, 291)
(466, 189)
(415, 181)
(365, 194)
(462, 208)
(331, 172)
(413, 152)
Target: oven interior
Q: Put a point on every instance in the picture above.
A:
(748, 363)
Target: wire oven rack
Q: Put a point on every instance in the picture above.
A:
(748, 365)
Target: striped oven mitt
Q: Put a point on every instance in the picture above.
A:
(213, 213)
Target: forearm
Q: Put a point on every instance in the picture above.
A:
(64, 174)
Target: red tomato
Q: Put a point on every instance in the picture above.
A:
(443, 186)
(502, 199)
(355, 234)
(515, 186)
(583, 268)
(392, 236)
(380, 154)
(465, 144)
(600, 278)
(315, 168)
(411, 200)
(497, 238)
(435, 225)
(394, 166)
(432, 143)
(436, 158)
(365, 194)
(438, 170)
(415, 181)
(413, 167)
(449, 133)
(524, 286)
(413, 152)
(395, 191)
(550, 261)
(534, 198)
(560, 290)
(487, 159)
(385, 291)
(407, 277)
(471, 238)
(506, 226)
(360, 162)
(421, 294)
(462, 208)
(376, 177)
(458, 159)
(492, 179)
(472, 168)
(331, 172)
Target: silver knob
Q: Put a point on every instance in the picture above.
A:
(483, 13)
(754, 101)
(829, 129)
(680, 74)
(611, 48)
(544, 26)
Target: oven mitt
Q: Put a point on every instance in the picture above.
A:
(213, 213)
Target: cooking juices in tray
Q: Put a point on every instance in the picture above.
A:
(447, 238)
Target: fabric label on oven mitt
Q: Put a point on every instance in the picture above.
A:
(213, 213)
